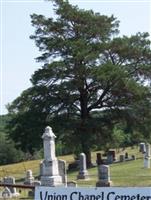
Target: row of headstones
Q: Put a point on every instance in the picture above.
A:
(112, 158)
(9, 192)
(103, 172)
(103, 176)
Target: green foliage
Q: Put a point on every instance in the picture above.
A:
(3, 121)
(8, 152)
(85, 70)
(118, 137)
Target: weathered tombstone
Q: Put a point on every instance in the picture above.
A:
(11, 181)
(72, 184)
(109, 158)
(99, 160)
(103, 176)
(146, 162)
(142, 147)
(73, 166)
(32, 192)
(29, 178)
(147, 157)
(62, 171)
(49, 169)
(133, 157)
(113, 153)
(83, 173)
(6, 193)
(147, 150)
(122, 158)
(126, 155)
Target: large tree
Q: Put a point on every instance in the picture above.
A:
(89, 76)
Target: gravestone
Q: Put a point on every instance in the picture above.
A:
(142, 147)
(133, 157)
(147, 157)
(29, 178)
(72, 184)
(109, 158)
(103, 176)
(83, 173)
(99, 160)
(11, 181)
(6, 193)
(49, 167)
(122, 158)
(62, 171)
(113, 153)
(147, 150)
(126, 155)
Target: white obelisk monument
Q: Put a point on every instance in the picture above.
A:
(49, 171)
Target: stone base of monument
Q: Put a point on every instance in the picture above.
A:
(51, 181)
(102, 183)
(147, 162)
(83, 175)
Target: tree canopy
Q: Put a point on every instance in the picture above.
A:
(90, 79)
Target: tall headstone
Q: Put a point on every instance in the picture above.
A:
(147, 157)
(83, 173)
(49, 169)
(103, 176)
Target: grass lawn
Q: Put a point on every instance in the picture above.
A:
(129, 173)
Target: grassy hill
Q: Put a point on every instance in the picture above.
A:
(129, 173)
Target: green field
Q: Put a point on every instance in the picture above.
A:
(129, 173)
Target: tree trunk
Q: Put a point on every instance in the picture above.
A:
(85, 143)
(88, 157)
(83, 126)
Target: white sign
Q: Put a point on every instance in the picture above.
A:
(100, 193)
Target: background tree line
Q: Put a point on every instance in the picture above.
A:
(93, 87)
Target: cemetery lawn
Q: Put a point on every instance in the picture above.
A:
(128, 174)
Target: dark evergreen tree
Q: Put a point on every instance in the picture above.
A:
(89, 76)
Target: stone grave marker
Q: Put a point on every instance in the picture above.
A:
(126, 155)
(62, 171)
(29, 178)
(11, 180)
(83, 173)
(6, 193)
(109, 158)
(147, 157)
(122, 158)
(142, 147)
(113, 153)
(133, 157)
(49, 167)
(99, 160)
(103, 176)
(72, 184)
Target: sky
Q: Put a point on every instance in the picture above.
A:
(18, 52)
